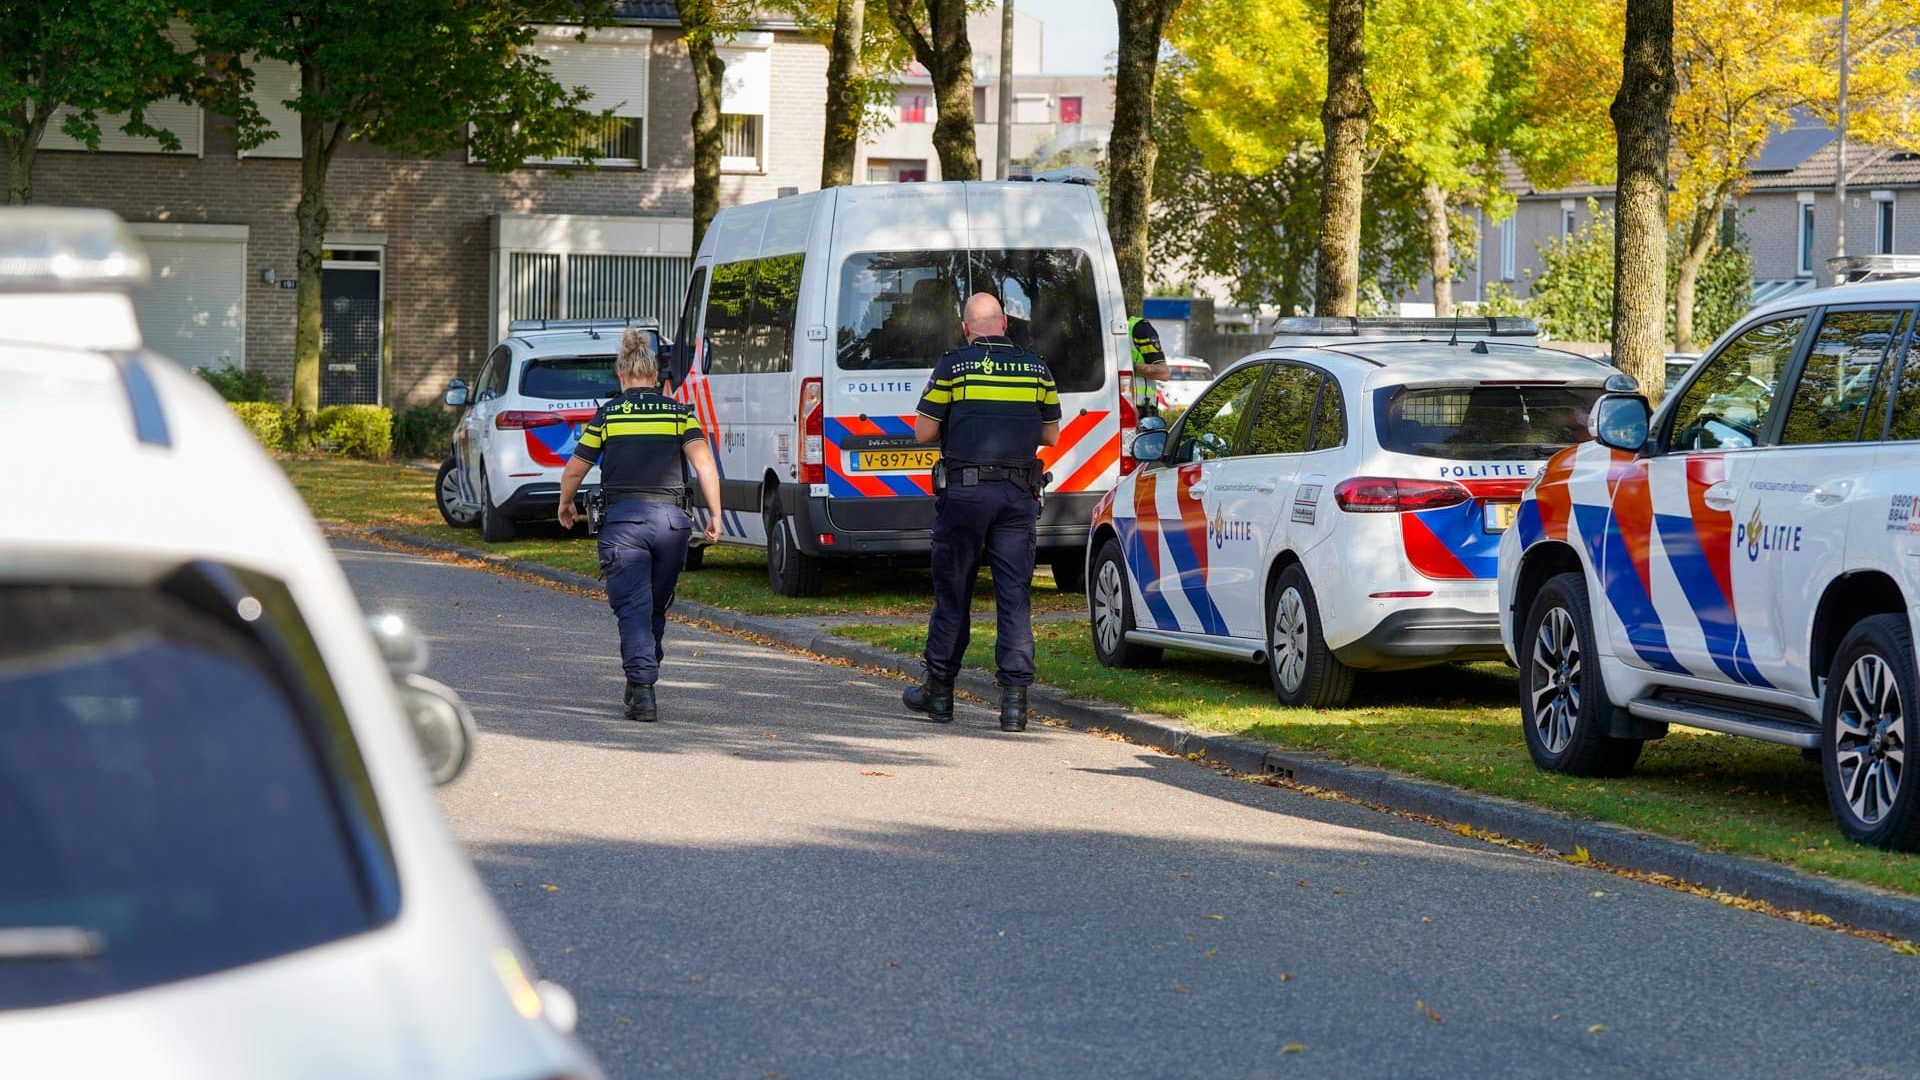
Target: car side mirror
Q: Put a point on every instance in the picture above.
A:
(442, 726)
(457, 394)
(1621, 421)
(1150, 423)
(1150, 446)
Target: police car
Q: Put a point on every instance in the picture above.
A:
(522, 417)
(221, 854)
(1186, 377)
(1746, 561)
(1335, 503)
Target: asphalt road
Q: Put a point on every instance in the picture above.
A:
(788, 878)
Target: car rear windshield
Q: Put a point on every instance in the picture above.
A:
(167, 809)
(569, 378)
(901, 309)
(1484, 422)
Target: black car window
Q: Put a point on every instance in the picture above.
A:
(1726, 405)
(1210, 428)
(685, 336)
(1484, 421)
(170, 808)
(1330, 427)
(569, 378)
(1904, 425)
(726, 323)
(1285, 420)
(1842, 370)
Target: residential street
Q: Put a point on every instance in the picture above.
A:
(788, 877)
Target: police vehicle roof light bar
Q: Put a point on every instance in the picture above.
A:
(1857, 269)
(45, 250)
(519, 326)
(1472, 326)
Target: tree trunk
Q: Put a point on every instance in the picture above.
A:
(1344, 119)
(846, 99)
(311, 216)
(1701, 240)
(1439, 248)
(709, 77)
(1131, 151)
(944, 51)
(1642, 122)
(20, 151)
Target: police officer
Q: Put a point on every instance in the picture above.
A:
(639, 440)
(990, 406)
(1149, 366)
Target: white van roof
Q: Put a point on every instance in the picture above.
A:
(934, 215)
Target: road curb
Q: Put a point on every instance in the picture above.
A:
(1861, 906)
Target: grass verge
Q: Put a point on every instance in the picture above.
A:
(358, 493)
(1459, 725)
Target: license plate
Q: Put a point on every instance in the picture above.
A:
(894, 460)
(1500, 516)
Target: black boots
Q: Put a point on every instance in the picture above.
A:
(641, 705)
(1013, 708)
(933, 698)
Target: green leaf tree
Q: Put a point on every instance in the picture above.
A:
(864, 59)
(418, 78)
(936, 32)
(705, 25)
(98, 59)
(1131, 150)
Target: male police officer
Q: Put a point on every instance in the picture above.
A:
(990, 405)
(1149, 366)
(639, 440)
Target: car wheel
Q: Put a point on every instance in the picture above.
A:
(1069, 574)
(495, 527)
(790, 571)
(1305, 672)
(446, 495)
(1864, 719)
(1110, 612)
(1564, 708)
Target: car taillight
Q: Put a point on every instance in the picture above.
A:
(513, 420)
(1388, 495)
(813, 461)
(1129, 427)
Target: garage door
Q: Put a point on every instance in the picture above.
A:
(194, 309)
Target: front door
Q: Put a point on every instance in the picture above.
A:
(1207, 438)
(350, 372)
(1253, 495)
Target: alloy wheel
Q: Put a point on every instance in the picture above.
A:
(1556, 680)
(1870, 739)
(1109, 606)
(450, 497)
(1290, 639)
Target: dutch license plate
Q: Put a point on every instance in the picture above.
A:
(894, 460)
(1500, 516)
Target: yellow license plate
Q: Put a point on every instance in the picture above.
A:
(1500, 516)
(894, 460)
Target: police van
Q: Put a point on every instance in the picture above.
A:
(813, 322)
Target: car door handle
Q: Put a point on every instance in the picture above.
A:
(1198, 489)
(1267, 486)
(1721, 496)
(1828, 495)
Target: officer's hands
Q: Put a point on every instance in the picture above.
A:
(567, 514)
(713, 529)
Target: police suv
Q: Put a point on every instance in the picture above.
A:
(1746, 561)
(222, 857)
(813, 322)
(522, 417)
(1335, 502)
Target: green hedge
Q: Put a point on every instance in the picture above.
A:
(238, 384)
(267, 421)
(424, 431)
(357, 431)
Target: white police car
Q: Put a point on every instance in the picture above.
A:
(522, 418)
(219, 855)
(1335, 502)
(1746, 561)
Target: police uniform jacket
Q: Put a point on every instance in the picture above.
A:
(638, 440)
(991, 399)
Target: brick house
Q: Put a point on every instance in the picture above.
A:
(427, 260)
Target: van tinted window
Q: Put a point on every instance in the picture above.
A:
(750, 314)
(726, 326)
(901, 309)
(1484, 423)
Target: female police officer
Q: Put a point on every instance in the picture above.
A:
(638, 440)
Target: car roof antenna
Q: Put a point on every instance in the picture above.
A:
(1455, 339)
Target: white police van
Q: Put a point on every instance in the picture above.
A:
(1745, 561)
(1334, 503)
(813, 322)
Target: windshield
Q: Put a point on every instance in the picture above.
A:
(901, 309)
(167, 811)
(569, 378)
(1484, 422)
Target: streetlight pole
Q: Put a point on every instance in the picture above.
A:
(1840, 160)
(1003, 144)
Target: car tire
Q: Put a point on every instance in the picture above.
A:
(1304, 671)
(1110, 612)
(1564, 707)
(495, 527)
(790, 571)
(1864, 718)
(446, 492)
(1069, 574)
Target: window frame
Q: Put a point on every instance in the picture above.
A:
(1896, 368)
(1885, 219)
(1237, 446)
(1804, 356)
(1804, 239)
(1313, 411)
(634, 45)
(1769, 431)
(757, 161)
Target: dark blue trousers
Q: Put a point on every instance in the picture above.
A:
(643, 545)
(996, 518)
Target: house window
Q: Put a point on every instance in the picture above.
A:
(1030, 108)
(979, 102)
(181, 119)
(1069, 110)
(913, 108)
(612, 66)
(1806, 237)
(1507, 250)
(1569, 219)
(740, 141)
(896, 171)
(572, 285)
(1883, 218)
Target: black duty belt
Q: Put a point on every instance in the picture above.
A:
(664, 500)
(956, 470)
